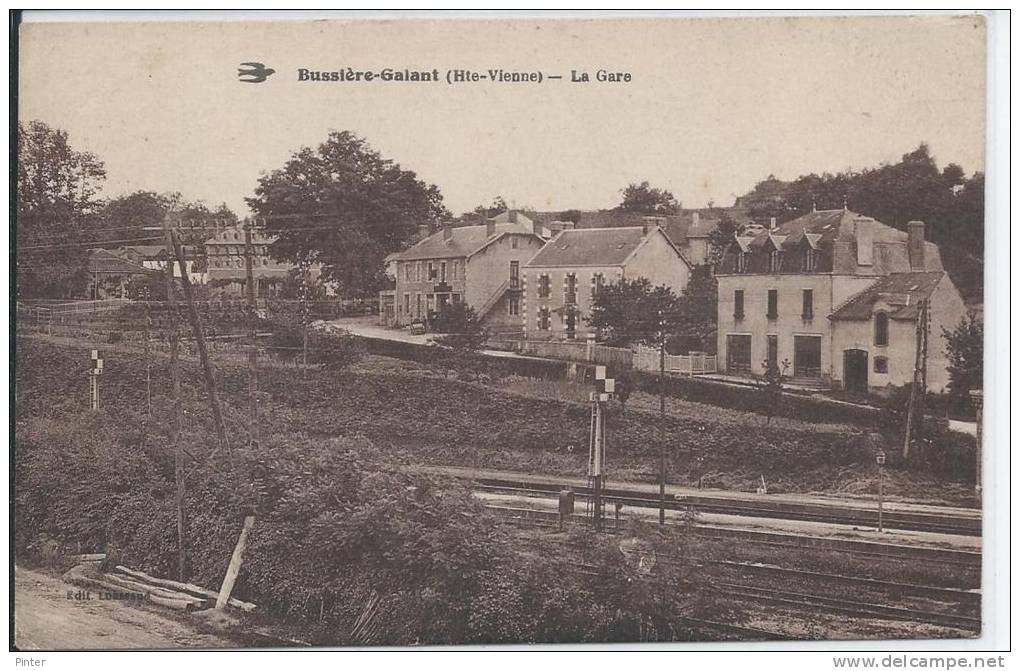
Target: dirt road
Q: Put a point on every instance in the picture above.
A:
(45, 619)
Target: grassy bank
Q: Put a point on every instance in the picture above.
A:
(414, 413)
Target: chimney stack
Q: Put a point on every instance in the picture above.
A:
(864, 230)
(772, 223)
(695, 218)
(915, 244)
(447, 231)
(490, 228)
(511, 216)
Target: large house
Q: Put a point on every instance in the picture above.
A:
(837, 296)
(226, 272)
(479, 265)
(562, 280)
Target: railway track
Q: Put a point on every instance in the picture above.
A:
(864, 549)
(811, 512)
(961, 599)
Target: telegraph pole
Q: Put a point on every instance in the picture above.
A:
(203, 353)
(662, 421)
(920, 361)
(148, 354)
(253, 365)
(177, 423)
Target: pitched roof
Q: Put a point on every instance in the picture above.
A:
(593, 247)
(105, 261)
(902, 291)
(463, 241)
(149, 251)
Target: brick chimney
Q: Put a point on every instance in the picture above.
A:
(864, 237)
(915, 244)
(490, 228)
(447, 232)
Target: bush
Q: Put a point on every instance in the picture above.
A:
(458, 323)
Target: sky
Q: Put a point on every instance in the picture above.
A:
(713, 105)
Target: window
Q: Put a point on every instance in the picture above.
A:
(570, 289)
(515, 305)
(738, 353)
(417, 306)
(597, 280)
(407, 271)
(775, 261)
(738, 304)
(809, 304)
(881, 364)
(773, 304)
(810, 260)
(881, 329)
(543, 319)
(442, 271)
(417, 272)
(455, 298)
(515, 274)
(513, 242)
(772, 356)
(741, 262)
(543, 285)
(407, 303)
(807, 356)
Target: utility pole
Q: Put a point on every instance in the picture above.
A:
(253, 365)
(175, 385)
(662, 421)
(920, 379)
(148, 354)
(203, 353)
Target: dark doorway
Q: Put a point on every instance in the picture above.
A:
(807, 356)
(855, 370)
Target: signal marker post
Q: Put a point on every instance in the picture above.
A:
(604, 389)
(94, 373)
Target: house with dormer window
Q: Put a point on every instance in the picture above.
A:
(837, 296)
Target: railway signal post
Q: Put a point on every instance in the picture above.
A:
(604, 388)
(880, 460)
(94, 373)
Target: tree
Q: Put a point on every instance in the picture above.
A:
(570, 215)
(343, 205)
(721, 238)
(633, 311)
(697, 317)
(497, 206)
(965, 349)
(459, 324)
(56, 201)
(644, 199)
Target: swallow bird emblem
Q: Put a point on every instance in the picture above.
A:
(253, 73)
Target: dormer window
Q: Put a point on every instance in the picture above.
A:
(810, 260)
(741, 262)
(775, 261)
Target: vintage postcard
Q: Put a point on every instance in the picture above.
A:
(390, 331)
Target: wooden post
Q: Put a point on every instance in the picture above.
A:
(235, 564)
(177, 423)
(148, 354)
(662, 422)
(915, 383)
(203, 353)
(253, 365)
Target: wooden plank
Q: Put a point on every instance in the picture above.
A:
(235, 563)
(187, 588)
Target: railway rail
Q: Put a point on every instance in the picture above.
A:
(829, 514)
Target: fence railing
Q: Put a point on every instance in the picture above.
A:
(71, 307)
(644, 359)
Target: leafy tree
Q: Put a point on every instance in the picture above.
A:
(57, 199)
(460, 325)
(645, 199)
(570, 215)
(633, 311)
(697, 317)
(965, 349)
(497, 206)
(343, 205)
(721, 238)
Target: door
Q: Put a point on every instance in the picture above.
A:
(772, 359)
(738, 354)
(855, 370)
(807, 356)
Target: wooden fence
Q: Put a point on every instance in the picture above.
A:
(645, 359)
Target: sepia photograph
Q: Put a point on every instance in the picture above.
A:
(462, 330)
